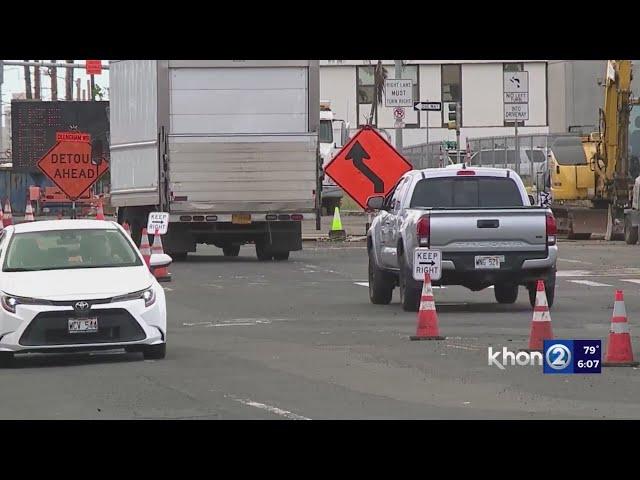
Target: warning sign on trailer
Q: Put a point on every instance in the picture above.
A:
(158, 223)
(427, 261)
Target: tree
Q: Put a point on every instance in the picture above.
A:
(379, 77)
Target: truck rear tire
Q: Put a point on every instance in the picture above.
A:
(381, 284)
(231, 250)
(409, 294)
(281, 256)
(549, 290)
(506, 293)
(262, 252)
(630, 232)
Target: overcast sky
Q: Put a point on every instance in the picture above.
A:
(14, 82)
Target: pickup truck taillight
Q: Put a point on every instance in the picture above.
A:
(423, 231)
(552, 229)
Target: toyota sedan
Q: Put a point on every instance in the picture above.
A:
(78, 285)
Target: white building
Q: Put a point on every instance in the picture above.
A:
(477, 84)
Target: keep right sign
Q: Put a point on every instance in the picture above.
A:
(428, 261)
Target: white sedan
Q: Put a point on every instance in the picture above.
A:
(78, 285)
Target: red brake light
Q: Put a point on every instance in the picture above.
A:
(466, 172)
(423, 231)
(552, 229)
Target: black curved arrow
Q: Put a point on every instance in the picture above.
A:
(358, 155)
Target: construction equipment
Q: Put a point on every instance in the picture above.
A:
(589, 177)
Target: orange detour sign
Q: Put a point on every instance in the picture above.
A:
(367, 165)
(69, 165)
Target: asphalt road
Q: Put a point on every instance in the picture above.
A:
(300, 340)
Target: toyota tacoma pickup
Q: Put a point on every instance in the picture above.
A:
(478, 223)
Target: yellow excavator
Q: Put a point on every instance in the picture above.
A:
(589, 177)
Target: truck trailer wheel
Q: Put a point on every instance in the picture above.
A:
(262, 252)
(630, 232)
(381, 284)
(506, 293)
(231, 250)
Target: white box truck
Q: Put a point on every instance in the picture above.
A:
(228, 147)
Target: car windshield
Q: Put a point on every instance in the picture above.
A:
(68, 249)
(326, 131)
(465, 192)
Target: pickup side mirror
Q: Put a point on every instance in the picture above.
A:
(375, 202)
(160, 260)
(532, 200)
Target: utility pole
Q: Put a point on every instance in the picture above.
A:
(93, 88)
(458, 119)
(53, 74)
(36, 82)
(399, 130)
(78, 88)
(69, 83)
(27, 82)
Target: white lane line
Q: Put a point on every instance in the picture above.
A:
(590, 283)
(362, 284)
(574, 261)
(574, 273)
(271, 409)
(630, 280)
(168, 289)
(462, 347)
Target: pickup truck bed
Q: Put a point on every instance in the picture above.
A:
(482, 222)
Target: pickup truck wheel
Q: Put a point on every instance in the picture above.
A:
(549, 290)
(630, 232)
(381, 284)
(409, 296)
(506, 293)
(231, 250)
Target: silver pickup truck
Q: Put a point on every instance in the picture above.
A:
(477, 224)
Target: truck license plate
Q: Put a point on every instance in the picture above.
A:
(488, 262)
(427, 261)
(241, 218)
(83, 325)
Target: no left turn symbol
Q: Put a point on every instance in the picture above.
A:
(398, 113)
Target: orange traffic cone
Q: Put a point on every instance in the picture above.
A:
(161, 273)
(8, 217)
(427, 328)
(145, 249)
(100, 211)
(28, 214)
(541, 321)
(127, 228)
(619, 351)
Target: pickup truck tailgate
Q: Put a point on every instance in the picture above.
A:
(488, 230)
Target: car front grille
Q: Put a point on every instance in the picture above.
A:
(51, 328)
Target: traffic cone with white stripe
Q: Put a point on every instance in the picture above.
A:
(541, 321)
(100, 210)
(145, 249)
(8, 217)
(427, 328)
(28, 214)
(619, 351)
(161, 273)
(337, 232)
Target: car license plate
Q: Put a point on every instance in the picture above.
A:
(428, 261)
(83, 325)
(488, 262)
(241, 218)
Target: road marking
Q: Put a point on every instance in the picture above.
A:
(573, 273)
(590, 283)
(463, 347)
(631, 280)
(168, 289)
(574, 261)
(362, 284)
(271, 409)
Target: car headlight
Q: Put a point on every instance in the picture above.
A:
(10, 302)
(148, 295)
